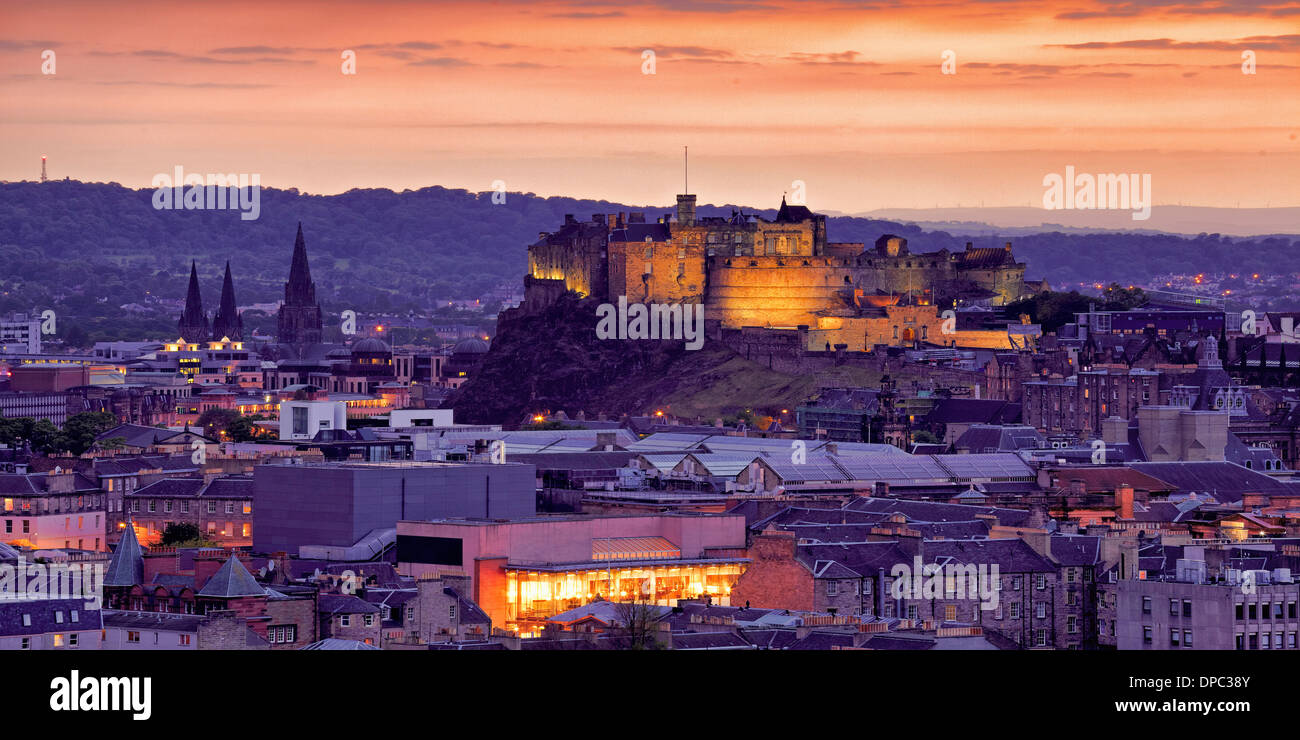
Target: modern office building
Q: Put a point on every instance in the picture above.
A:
(336, 505)
(523, 571)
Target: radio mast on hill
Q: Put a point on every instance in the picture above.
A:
(43, 178)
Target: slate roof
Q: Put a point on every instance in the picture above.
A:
(601, 460)
(898, 642)
(999, 438)
(710, 641)
(1075, 550)
(1226, 481)
(137, 435)
(859, 558)
(19, 484)
(1106, 479)
(638, 232)
(173, 580)
(334, 643)
(232, 580)
(126, 567)
(42, 616)
(467, 612)
(823, 641)
(1010, 555)
(769, 639)
(117, 466)
(344, 604)
(152, 620)
(232, 487)
(929, 511)
(467, 646)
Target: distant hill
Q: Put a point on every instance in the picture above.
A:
(1168, 219)
(86, 249)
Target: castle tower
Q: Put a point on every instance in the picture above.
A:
(299, 320)
(227, 322)
(193, 325)
(685, 210)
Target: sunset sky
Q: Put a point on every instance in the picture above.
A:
(550, 97)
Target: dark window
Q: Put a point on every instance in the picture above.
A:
(429, 550)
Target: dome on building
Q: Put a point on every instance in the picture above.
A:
(373, 345)
(470, 346)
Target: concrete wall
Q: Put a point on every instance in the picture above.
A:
(337, 504)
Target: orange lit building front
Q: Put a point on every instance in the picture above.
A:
(523, 571)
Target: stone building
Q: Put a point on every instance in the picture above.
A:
(299, 320)
(748, 271)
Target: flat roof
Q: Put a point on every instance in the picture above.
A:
(598, 565)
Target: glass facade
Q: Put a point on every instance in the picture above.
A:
(533, 596)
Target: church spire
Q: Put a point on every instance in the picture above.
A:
(193, 325)
(227, 322)
(300, 290)
(299, 320)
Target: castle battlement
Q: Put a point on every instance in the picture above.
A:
(749, 271)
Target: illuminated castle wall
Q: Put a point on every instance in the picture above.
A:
(749, 271)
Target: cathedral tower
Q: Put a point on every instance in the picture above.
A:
(227, 323)
(299, 320)
(193, 326)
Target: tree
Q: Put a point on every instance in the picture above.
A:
(216, 421)
(80, 430)
(637, 621)
(244, 428)
(76, 336)
(185, 534)
(1122, 299)
(921, 436)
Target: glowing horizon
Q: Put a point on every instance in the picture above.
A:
(550, 98)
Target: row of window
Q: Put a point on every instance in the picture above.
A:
(134, 637)
(345, 620)
(48, 505)
(245, 507)
(1174, 635)
(835, 588)
(1261, 610)
(1261, 641)
(60, 640)
(244, 530)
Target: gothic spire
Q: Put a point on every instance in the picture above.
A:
(299, 319)
(300, 290)
(193, 326)
(227, 322)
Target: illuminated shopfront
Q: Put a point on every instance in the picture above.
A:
(535, 593)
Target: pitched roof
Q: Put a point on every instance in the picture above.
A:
(334, 643)
(126, 567)
(44, 616)
(1107, 479)
(231, 581)
(1225, 480)
(344, 604)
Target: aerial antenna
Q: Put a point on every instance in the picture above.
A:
(43, 178)
(686, 170)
